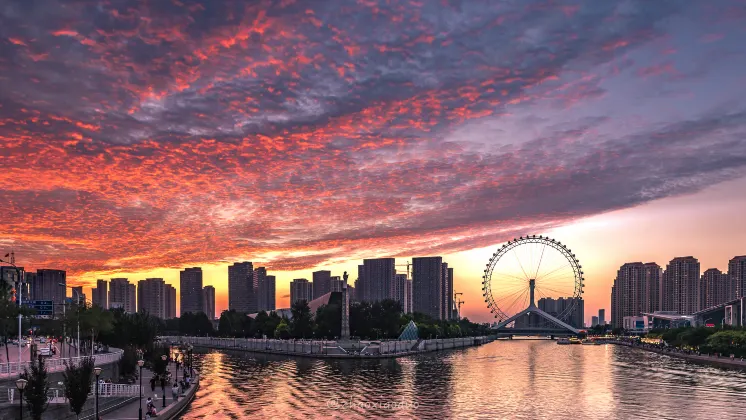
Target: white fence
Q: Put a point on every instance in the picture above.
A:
(326, 347)
(118, 390)
(57, 365)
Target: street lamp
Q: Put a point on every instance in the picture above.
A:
(77, 309)
(191, 371)
(140, 363)
(20, 304)
(21, 385)
(163, 381)
(97, 370)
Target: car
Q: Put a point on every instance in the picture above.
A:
(42, 340)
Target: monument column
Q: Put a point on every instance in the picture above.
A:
(345, 335)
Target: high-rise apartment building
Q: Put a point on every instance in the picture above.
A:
(737, 277)
(77, 294)
(651, 288)
(336, 284)
(376, 279)
(627, 292)
(11, 276)
(265, 290)
(602, 316)
(561, 308)
(594, 321)
(191, 290)
(100, 295)
(408, 294)
(130, 305)
(427, 286)
(322, 283)
(208, 293)
(170, 302)
(400, 291)
(680, 282)
(151, 294)
(713, 288)
(241, 288)
(447, 293)
(300, 289)
(121, 296)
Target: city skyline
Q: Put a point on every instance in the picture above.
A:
(138, 141)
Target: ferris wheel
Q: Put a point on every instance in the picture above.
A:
(531, 268)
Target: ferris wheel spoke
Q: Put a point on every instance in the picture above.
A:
(558, 276)
(553, 271)
(538, 266)
(512, 276)
(559, 292)
(519, 263)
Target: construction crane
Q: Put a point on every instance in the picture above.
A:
(408, 264)
(458, 302)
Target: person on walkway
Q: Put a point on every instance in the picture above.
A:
(175, 391)
(152, 383)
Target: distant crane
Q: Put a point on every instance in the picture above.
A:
(408, 264)
(458, 302)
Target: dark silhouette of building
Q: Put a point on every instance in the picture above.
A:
(49, 284)
(100, 294)
(376, 280)
(151, 297)
(242, 290)
(121, 295)
(191, 290)
(300, 289)
(266, 290)
(170, 302)
(400, 291)
(322, 283)
(427, 286)
(208, 293)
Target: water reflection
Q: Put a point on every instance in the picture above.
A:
(521, 379)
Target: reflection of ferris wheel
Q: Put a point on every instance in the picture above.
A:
(529, 268)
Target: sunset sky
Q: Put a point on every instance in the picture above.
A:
(141, 137)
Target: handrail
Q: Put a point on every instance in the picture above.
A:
(58, 365)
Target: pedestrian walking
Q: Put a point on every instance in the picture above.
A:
(152, 383)
(175, 391)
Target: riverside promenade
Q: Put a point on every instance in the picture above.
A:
(357, 349)
(129, 410)
(712, 360)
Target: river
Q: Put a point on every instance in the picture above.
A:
(512, 379)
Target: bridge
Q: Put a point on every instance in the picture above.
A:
(552, 327)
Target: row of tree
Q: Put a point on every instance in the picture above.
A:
(379, 320)
(727, 340)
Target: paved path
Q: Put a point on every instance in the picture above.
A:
(130, 411)
(723, 361)
(68, 351)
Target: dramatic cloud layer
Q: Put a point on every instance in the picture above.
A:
(144, 134)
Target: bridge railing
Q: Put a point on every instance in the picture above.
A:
(57, 365)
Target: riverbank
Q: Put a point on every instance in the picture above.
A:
(712, 360)
(330, 349)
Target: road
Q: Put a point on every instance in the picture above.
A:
(12, 351)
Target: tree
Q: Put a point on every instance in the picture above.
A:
(301, 325)
(328, 321)
(195, 324)
(282, 331)
(266, 324)
(234, 324)
(36, 388)
(77, 382)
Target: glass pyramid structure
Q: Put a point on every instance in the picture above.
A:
(410, 332)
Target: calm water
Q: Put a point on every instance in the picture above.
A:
(522, 379)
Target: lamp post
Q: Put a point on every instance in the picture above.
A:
(77, 309)
(21, 385)
(20, 304)
(163, 382)
(191, 371)
(97, 370)
(140, 363)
